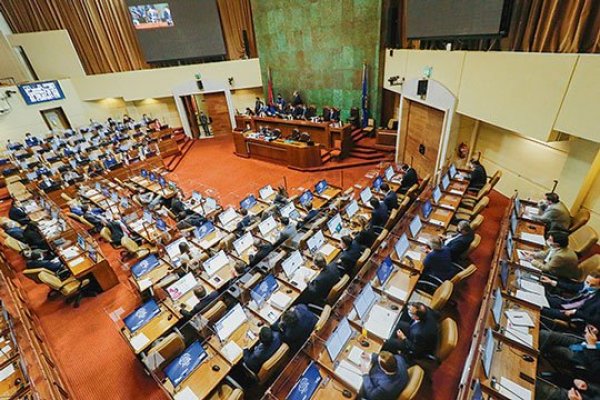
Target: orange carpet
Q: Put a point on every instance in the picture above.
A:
(96, 361)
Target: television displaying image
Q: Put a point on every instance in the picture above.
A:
(151, 16)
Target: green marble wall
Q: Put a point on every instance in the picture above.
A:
(319, 47)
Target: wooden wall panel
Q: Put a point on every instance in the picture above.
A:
(424, 127)
(216, 106)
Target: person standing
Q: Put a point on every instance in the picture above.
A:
(205, 121)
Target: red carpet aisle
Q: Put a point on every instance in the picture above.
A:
(95, 359)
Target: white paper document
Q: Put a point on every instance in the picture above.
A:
(139, 341)
(231, 351)
(415, 255)
(144, 284)
(185, 394)
(513, 391)
(381, 321)
(532, 237)
(532, 298)
(355, 355)
(519, 318)
(7, 371)
(518, 336)
(280, 300)
(327, 249)
(532, 287)
(350, 374)
(397, 293)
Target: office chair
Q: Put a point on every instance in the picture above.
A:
(79, 218)
(66, 197)
(362, 260)
(392, 219)
(323, 317)
(438, 300)
(424, 183)
(214, 313)
(447, 342)
(589, 266)
(105, 234)
(163, 351)
(133, 250)
(71, 288)
(409, 193)
(469, 214)
(415, 379)
(337, 289)
(271, 366)
(226, 243)
(228, 390)
(380, 239)
(580, 219)
(304, 238)
(472, 247)
(16, 245)
(470, 200)
(583, 239)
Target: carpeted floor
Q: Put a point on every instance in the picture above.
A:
(86, 342)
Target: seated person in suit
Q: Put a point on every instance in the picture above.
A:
(47, 183)
(190, 221)
(409, 178)
(310, 215)
(269, 342)
(335, 114)
(17, 213)
(296, 99)
(555, 215)
(380, 214)
(295, 135)
(240, 267)
(304, 137)
(296, 325)
(12, 228)
(262, 250)
(289, 230)
(116, 231)
(204, 299)
(351, 252)
(33, 237)
(31, 141)
(384, 377)
(578, 361)
(317, 289)
(418, 337)
(391, 198)
(459, 243)
(478, 176)
(37, 261)
(245, 222)
(366, 236)
(557, 259)
(149, 199)
(178, 207)
(190, 258)
(438, 261)
(585, 304)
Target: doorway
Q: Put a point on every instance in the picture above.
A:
(207, 114)
(56, 119)
(424, 126)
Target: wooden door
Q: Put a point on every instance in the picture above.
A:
(423, 134)
(218, 111)
(56, 118)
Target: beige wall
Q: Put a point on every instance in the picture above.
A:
(592, 203)
(10, 66)
(24, 118)
(164, 109)
(51, 54)
(245, 98)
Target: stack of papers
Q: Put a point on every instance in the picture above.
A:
(350, 374)
(397, 293)
(513, 391)
(280, 300)
(381, 321)
(355, 355)
(139, 341)
(519, 318)
(415, 255)
(532, 298)
(70, 252)
(231, 351)
(327, 249)
(531, 286)
(519, 334)
(185, 394)
(436, 222)
(77, 261)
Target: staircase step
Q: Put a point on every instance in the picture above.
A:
(369, 156)
(364, 150)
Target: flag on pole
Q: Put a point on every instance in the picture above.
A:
(270, 89)
(365, 96)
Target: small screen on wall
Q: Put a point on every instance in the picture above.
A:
(40, 92)
(151, 16)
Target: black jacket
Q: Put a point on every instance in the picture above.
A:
(460, 245)
(380, 215)
(318, 289)
(478, 177)
(18, 214)
(422, 337)
(409, 179)
(391, 200)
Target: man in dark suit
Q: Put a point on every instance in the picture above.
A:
(296, 325)
(351, 252)
(391, 198)
(17, 213)
(438, 261)
(460, 243)
(245, 222)
(262, 250)
(584, 305)
(384, 378)
(310, 215)
(204, 299)
(478, 176)
(317, 290)
(380, 214)
(258, 105)
(33, 237)
(116, 231)
(37, 261)
(268, 343)
(408, 179)
(418, 337)
(297, 100)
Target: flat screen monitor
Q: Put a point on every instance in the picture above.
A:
(437, 195)
(402, 245)
(517, 205)
(185, 363)
(183, 285)
(509, 246)
(389, 173)
(202, 231)
(266, 192)
(514, 222)
(476, 393)
(497, 306)
(338, 339)
(487, 355)
(196, 196)
(141, 316)
(243, 243)
(307, 384)
(366, 195)
(292, 263)
(267, 226)
(215, 263)
(377, 182)
(504, 272)
(144, 266)
(415, 226)
(248, 202)
(335, 224)
(365, 301)
(452, 170)
(81, 242)
(230, 322)
(426, 209)
(315, 242)
(306, 197)
(161, 224)
(151, 16)
(352, 209)
(227, 216)
(264, 289)
(321, 186)
(385, 270)
(445, 182)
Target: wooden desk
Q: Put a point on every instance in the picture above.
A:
(155, 328)
(270, 313)
(240, 336)
(8, 386)
(295, 155)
